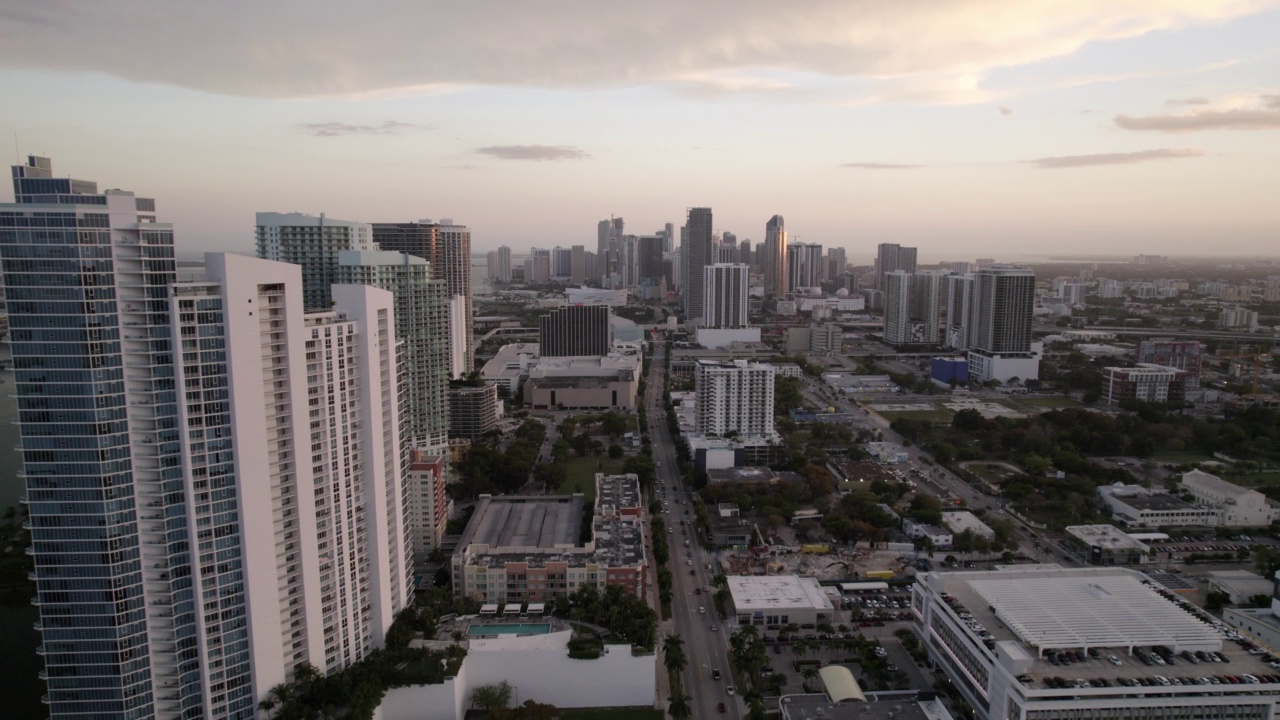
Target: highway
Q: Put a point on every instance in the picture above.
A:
(693, 612)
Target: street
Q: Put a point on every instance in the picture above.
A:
(692, 614)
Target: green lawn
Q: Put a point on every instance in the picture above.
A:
(581, 474)
(993, 474)
(1254, 479)
(618, 713)
(1182, 458)
(931, 416)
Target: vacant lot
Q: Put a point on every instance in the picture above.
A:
(580, 476)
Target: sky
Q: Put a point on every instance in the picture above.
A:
(1006, 128)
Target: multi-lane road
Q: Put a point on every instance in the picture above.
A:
(693, 610)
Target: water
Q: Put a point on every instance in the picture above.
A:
(509, 629)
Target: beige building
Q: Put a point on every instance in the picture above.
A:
(590, 383)
(1237, 506)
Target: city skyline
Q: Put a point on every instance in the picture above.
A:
(1094, 127)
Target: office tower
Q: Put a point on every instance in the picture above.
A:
(804, 266)
(168, 533)
(897, 308)
(698, 254)
(628, 263)
(727, 253)
(1183, 355)
(649, 260)
(422, 323)
(891, 257)
(725, 304)
(734, 397)
(312, 242)
(607, 232)
(744, 252)
(447, 247)
(835, 264)
(773, 263)
(561, 263)
(576, 330)
(959, 290)
(1002, 306)
(578, 265)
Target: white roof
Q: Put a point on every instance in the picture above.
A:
(772, 592)
(1073, 611)
(1213, 483)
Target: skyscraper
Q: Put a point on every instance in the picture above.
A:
(576, 330)
(734, 397)
(562, 263)
(578, 265)
(447, 246)
(649, 261)
(422, 322)
(184, 553)
(698, 254)
(607, 232)
(911, 308)
(897, 308)
(959, 290)
(1000, 311)
(774, 262)
(725, 304)
(312, 242)
(891, 257)
(499, 264)
(804, 266)
(835, 264)
(926, 296)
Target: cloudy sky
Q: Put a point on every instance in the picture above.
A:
(966, 127)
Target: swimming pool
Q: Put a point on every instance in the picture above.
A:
(509, 629)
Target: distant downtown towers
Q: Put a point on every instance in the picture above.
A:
(699, 252)
(214, 476)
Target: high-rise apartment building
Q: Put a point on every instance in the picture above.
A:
(422, 323)
(897, 308)
(447, 246)
(185, 555)
(428, 502)
(804, 266)
(607, 233)
(959, 292)
(891, 257)
(578, 265)
(473, 410)
(698, 254)
(562, 263)
(773, 263)
(1000, 312)
(537, 267)
(500, 264)
(734, 397)
(649, 261)
(312, 242)
(576, 330)
(926, 296)
(1183, 355)
(911, 308)
(725, 286)
(835, 264)
(744, 252)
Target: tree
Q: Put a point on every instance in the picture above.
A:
(809, 672)
(673, 655)
(615, 451)
(679, 707)
(492, 697)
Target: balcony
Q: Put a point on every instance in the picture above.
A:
(35, 601)
(40, 650)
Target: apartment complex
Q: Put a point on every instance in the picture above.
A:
(312, 242)
(1145, 382)
(911, 308)
(999, 332)
(734, 397)
(774, 260)
(473, 410)
(699, 252)
(447, 246)
(891, 257)
(1184, 355)
(186, 558)
(531, 549)
(725, 304)
(804, 266)
(429, 504)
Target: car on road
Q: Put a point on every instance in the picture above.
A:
(729, 689)
(715, 673)
(713, 628)
(697, 591)
(702, 609)
(720, 708)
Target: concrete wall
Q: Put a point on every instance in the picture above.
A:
(446, 701)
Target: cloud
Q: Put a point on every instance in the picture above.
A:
(880, 166)
(332, 48)
(1187, 101)
(338, 129)
(1262, 113)
(534, 152)
(1005, 111)
(1130, 158)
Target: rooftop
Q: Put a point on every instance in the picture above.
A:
(776, 591)
(1156, 502)
(879, 706)
(1108, 537)
(1213, 483)
(515, 521)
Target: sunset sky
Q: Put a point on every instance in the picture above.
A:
(966, 127)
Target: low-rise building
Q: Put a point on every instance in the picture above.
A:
(510, 367)
(1105, 545)
(1149, 383)
(776, 600)
(1240, 586)
(1001, 637)
(939, 538)
(751, 475)
(961, 520)
(843, 699)
(529, 548)
(1236, 506)
(610, 382)
(1139, 507)
(888, 453)
(473, 410)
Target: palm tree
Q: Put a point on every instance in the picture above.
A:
(267, 705)
(809, 672)
(673, 655)
(679, 708)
